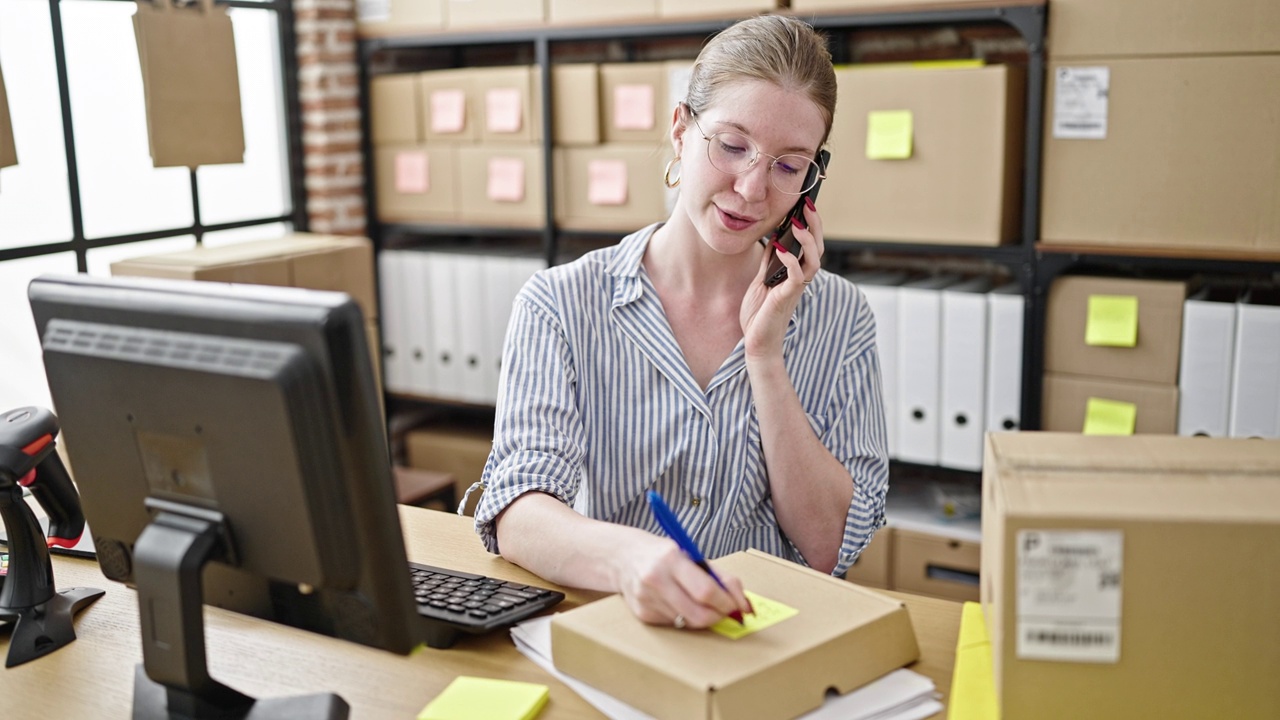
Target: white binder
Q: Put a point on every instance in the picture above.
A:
(881, 291)
(418, 322)
(1255, 387)
(395, 345)
(1208, 353)
(443, 308)
(1005, 315)
(919, 379)
(962, 401)
(472, 320)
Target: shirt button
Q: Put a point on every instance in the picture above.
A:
(695, 501)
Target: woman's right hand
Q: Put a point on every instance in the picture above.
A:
(660, 584)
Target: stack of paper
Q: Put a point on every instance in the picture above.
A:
(900, 695)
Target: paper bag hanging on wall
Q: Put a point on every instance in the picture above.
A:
(8, 151)
(189, 78)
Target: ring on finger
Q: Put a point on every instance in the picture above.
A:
(679, 622)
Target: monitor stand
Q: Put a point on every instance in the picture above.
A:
(173, 680)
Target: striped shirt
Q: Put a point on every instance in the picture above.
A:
(597, 406)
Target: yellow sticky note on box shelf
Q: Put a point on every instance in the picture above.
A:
(1112, 321)
(1109, 417)
(767, 613)
(889, 134)
(476, 698)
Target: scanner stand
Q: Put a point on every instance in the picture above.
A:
(173, 680)
(41, 616)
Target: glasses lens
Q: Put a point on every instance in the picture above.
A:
(794, 174)
(731, 153)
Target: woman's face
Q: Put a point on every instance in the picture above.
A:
(732, 212)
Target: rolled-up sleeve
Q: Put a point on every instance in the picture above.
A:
(538, 431)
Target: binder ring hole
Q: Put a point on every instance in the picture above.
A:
(962, 420)
(917, 414)
(1009, 424)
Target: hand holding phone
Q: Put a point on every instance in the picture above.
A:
(784, 234)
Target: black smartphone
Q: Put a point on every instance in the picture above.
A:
(783, 234)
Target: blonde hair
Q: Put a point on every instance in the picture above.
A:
(782, 50)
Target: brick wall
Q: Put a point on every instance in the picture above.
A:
(329, 90)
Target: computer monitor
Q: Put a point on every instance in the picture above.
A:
(228, 445)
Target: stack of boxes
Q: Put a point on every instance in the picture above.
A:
(386, 17)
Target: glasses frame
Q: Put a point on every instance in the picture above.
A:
(755, 158)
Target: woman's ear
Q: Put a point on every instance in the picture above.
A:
(678, 126)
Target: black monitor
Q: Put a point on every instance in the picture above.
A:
(228, 445)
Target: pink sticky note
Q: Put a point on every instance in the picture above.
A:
(412, 173)
(607, 182)
(448, 111)
(503, 111)
(506, 179)
(633, 107)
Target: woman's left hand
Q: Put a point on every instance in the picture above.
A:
(766, 311)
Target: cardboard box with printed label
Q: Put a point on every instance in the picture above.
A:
(609, 187)
(509, 104)
(448, 106)
(1121, 328)
(926, 154)
(1132, 577)
(588, 11)
(1093, 28)
(393, 109)
(458, 450)
(575, 104)
(842, 636)
(633, 103)
(1069, 401)
(465, 14)
(416, 183)
(1171, 152)
(501, 185)
(873, 568)
(937, 565)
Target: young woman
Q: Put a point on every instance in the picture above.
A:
(665, 363)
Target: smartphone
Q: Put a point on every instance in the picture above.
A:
(783, 234)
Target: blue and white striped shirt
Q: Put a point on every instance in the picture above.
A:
(597, 405)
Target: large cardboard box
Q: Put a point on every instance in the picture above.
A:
(8, 150)
(393, 109)
(591, 11)
(458, 450)
(715, 8)
(1132, 577)
(306, 260)
(1083, 28)
(488, 14)
(501, 185)
(950, 172)
(928, 564)
(842, 637)
(416, 183)
(448, 108)
(509, 104)
(1187, 159)
(1065, 402)
(575, 104)
(1153, 358)
(375, 18)
(633, 103)
(873, 568)
(609, 187)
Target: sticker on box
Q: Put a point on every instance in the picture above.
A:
(1069, 586)
(1080, 96)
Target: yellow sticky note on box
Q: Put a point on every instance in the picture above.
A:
(1112, 321)
(767, 612)
(889, 134)
(1109, 417)
(476, 698)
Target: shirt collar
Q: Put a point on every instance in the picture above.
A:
(626, 262)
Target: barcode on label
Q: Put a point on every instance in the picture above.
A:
(1075, 639)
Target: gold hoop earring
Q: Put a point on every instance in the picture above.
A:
(666, 174)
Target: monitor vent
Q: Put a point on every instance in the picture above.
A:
(208, 353)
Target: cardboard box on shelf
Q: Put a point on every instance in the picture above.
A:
(448, 107)
(416, 183)
(1170, 152)
(376, 18)
(586, 11)
(804, 6)
(935, 565)
(633, 103)
(1124, 577)
(873, 567)
(715, 8)
(1065, 404)
(1093, 28)
(459, 450)
(842, 637)
(926, 154)
(1084, 310)
(575, 104)
(509, 104)
(501, 185)
(393, 109)
(609, 187)
(488, 14)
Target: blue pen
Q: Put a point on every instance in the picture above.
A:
(671, 526)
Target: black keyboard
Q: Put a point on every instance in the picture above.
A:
(469, 603)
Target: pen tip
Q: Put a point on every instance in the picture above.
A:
(737, 615)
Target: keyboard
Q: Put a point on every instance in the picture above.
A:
(461, 602)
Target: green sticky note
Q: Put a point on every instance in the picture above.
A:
(476, 698)
(1112, 321)
(889, 134)
(767, 612)
(1109, 417)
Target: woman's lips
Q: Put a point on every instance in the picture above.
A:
(736, 223)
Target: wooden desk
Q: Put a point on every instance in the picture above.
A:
(93, 676)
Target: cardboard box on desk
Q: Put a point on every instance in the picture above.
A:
(844, 636)
(1093, 28)
(1132, 577)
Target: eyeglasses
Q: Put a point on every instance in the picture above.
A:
(733, 153)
